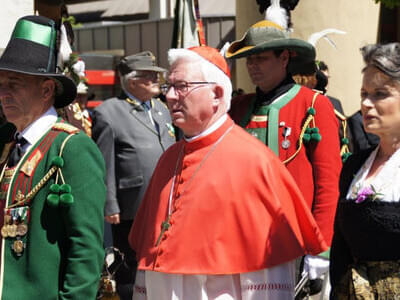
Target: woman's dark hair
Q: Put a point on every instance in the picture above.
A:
(385, 57)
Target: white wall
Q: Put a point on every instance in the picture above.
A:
(10, 12)
(359, 18)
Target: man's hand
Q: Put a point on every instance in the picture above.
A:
(113, 219)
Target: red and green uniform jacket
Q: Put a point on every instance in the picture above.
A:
(316, 165)
(63, 253)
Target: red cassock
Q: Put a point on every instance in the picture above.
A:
(236, 209)
(316, 168)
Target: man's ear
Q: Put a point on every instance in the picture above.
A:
(285, 55)
(131, 84)
(48, 89)
(218, 93)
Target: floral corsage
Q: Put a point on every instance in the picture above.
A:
(367, 193)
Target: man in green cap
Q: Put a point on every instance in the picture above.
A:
(52, 190)
(298, 124)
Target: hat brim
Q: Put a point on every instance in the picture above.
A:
(299, 49)
(150, 68)
(66, 88)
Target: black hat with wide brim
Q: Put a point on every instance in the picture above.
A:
(32, 50)
(265, 36)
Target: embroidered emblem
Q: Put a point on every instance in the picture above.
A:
(30, 165)
(255, 118)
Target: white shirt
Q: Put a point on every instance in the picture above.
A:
(386, 182)
(35, 130)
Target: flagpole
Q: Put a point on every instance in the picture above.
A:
(200, 28)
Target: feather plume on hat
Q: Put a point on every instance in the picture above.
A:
(313, 39)
(278, 11)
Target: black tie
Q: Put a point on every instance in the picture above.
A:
(17, 152)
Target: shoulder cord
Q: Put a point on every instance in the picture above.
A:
(45, 178)
(344, 141)
(310, 118)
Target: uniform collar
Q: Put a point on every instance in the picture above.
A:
(280, 89)
(35, 130)
(147, 105)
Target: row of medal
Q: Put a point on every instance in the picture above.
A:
(16, 226)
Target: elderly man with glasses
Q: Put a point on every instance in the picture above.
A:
(218, 220)
(132, 131)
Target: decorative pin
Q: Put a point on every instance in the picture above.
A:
(254, 134)
(171, 129)
(12, 230)
(5, 228)
(286, 133)
(18, 247)
(4, 231)
(22, 229)
(19, 197)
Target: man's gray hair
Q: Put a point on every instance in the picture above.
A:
(210, 72)
(125, 78)
(385, 57)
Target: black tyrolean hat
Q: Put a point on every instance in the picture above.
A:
(32, 50)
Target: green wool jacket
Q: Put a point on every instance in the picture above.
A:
(63, 253)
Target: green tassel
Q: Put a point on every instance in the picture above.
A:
(55, 188)
(345, 141)
(311, 111)
(58, 161)
(53, 200)
(306, 137)
(65, 188)
(316, 137)
(66, 199)
(345, 156)
(315, 130)
(308, 130)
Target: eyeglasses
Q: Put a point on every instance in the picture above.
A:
(147, 76)
(181, 87)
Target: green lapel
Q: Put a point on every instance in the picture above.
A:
(272, 111)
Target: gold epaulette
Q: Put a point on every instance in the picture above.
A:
(66, 127)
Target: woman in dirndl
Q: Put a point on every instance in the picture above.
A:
(365, 253)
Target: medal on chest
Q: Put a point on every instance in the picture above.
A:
(15, 227)
(287, 131)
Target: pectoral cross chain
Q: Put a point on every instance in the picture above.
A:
(164, 227)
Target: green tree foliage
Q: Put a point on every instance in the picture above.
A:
(389, 3)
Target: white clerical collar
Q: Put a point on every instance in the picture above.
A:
(35, 130)
(210, 129)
